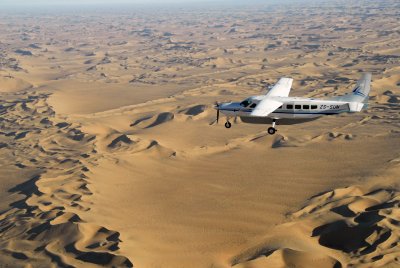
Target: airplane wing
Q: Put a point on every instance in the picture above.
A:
(265, 107)
(281, 89)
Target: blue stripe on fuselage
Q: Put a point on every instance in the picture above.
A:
(275, 112)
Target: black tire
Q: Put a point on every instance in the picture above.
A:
(228, 124)
(271, 131)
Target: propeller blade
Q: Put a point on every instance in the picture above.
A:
(217, 114)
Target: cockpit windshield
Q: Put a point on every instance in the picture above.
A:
(245, 103)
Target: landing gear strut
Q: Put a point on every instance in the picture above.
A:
(228, 124)
(272, 130)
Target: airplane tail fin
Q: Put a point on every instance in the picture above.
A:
(358, 98)
(363, 86)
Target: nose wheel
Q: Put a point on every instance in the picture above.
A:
(272, 130)
(228, 124)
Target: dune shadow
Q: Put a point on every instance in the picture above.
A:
(162, 118)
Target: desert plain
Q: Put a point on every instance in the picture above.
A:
(110, 154)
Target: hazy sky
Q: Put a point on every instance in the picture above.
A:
(66, 2)
(28, 4)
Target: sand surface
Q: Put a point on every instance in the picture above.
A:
(111, 155)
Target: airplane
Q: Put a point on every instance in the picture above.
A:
(276, 107)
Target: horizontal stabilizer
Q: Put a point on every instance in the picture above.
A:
(355, 106)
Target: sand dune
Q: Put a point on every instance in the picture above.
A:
(213, 165)
(111, 155)
(44, 226)
(352, 226)
(12, 84)
(161, 119)
(194, 110)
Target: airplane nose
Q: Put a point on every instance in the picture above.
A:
(223, 105)
(219, 105)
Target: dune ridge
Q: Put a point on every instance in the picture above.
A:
(355, 226)
(45, 227)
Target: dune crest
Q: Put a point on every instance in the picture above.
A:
(353, 226)
(45, 226)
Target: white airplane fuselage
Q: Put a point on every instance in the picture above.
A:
(278, 108)
(293, 110)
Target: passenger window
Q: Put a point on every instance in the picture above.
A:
(297, 106)
(306, 107)
(313, 107)
(289, 106)
(253, 105)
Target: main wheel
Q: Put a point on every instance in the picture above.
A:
(271, 131)
(228, 124)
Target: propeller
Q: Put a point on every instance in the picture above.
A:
(216, 106)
